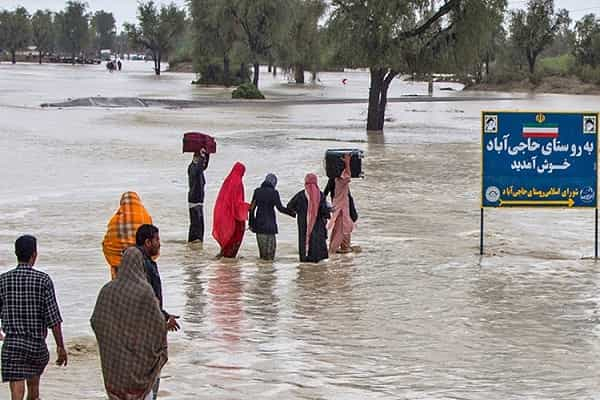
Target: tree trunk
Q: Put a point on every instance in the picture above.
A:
(41, 55)
(243, 73)
(14, 56)
(381, 78)
(373, 121)
(274, 70)
(226, 79)
(73, 55)
(256, 74)
(157, 59)
(299, 73)
(430, 85)
(531, 61)
(270, 68)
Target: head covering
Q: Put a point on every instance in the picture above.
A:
(271, 179)
(131, 331)
(123, 226)
(230, 205)
(313, 194)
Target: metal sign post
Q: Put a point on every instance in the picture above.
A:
(537, 159)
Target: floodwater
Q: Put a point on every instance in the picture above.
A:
(418, 314)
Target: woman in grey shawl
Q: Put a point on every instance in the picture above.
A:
(131, 331)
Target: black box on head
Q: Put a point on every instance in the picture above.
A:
(334, 162)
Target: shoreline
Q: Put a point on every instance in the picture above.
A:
(548, 85)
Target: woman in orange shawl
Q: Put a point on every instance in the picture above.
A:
(122, 228)
(231, 212)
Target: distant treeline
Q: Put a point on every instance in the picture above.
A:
(475, 40)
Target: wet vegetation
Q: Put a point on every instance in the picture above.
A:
(479, 42)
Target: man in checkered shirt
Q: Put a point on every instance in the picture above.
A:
(28, 308)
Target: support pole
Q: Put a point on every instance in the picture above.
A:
(481, 234)
(596, 237)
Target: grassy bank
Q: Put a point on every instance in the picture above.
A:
(553, 75)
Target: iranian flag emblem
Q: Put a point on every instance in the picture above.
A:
(549, 131)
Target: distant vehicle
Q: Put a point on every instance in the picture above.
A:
(105, 54)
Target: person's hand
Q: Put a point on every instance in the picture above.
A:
(61, 359)
(202, 151)
(172, 325)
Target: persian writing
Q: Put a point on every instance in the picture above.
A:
(535, 152)
(555, 192)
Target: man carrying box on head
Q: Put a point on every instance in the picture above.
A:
(197, 182)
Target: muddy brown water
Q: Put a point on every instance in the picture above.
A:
(418, 314)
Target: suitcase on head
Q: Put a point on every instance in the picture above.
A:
(334, 163)
(195, 141)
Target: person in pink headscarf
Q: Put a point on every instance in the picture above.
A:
(312, 213)
(341, 223)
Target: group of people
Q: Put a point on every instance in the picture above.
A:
(113, 65)
(315, 216)
(128, 320)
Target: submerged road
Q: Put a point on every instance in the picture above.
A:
(123, 102)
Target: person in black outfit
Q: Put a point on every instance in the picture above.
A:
(197, 182)
(315, 248)
(262, 216)
(147, 240)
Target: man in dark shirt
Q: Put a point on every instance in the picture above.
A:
(148, 241)
(197, 182)
(28, 308)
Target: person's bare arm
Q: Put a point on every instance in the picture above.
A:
(60, 345)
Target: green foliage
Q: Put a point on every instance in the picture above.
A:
(478, 38)
(535, 29)
(300, 48)
(158, 31)
(247, 91)
(587, 41)
(563, 65)
(42, 31)
(103, 30)
(262, 23)
(73, 28)
(215, 33)
(15, 30)
(589, 74)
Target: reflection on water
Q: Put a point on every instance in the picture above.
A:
(225, 291)
(417, 314)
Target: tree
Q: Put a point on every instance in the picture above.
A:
(587, 42)
(73, 28)
(15, 30)
(104, 30)
(215, 33)
(301, 50)
(157, 31)
(533, 30)
(42, 32)
(371, 33)
(478, 37)
(262, 23)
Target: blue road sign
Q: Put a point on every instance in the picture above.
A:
(537, 159)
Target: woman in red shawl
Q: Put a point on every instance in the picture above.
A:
(311, 211)
(231, 213)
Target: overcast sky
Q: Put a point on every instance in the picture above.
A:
(125, 10)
